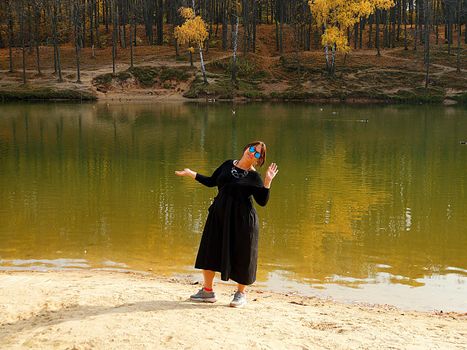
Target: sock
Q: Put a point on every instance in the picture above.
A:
(207, 289)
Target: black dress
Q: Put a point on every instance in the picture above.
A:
(229, 243)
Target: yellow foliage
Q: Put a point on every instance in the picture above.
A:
(334, 36)
(194, 30)
(186, 12)
(191, 49)
(338, 15)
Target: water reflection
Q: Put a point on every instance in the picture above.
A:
(365, 196)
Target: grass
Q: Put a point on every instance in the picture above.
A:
(103, 79)
(220, 88)
(419, 95)
(461, 98)
(453, 80)
(146, 76)
(246, 68)
(123, 76)
(45, 94)
(167, 73)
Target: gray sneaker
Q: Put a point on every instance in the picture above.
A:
(202, 295)
(239, 300)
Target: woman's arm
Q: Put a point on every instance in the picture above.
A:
(261, 195)
(261, 192)
(209, 181)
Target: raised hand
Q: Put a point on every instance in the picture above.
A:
(270, 174)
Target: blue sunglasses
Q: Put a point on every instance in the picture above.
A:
(253, 150)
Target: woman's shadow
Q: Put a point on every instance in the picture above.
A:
(47, 317)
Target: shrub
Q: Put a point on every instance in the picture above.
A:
(103, 79)
(146, 76)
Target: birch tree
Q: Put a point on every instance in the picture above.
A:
(338, 16)
(193, 30)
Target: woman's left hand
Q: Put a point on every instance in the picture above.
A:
(270, 174)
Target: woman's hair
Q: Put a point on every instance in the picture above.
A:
(261, 159)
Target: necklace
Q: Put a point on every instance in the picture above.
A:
(237, 172)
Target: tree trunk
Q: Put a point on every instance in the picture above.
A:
(77, 8)
(10, 36)
(97, 22)
(281, 26)
(255, 5)
(2, 42)
(333, 59)
(82, 4)
(234, 61)
(149, 20)
(114, 34)
(355, 34)
(427, 44)
(91, 24)
(362, 27)
(123, 22)
(106, 15)
(385, 29)
(393, 27)
(29, 17)
(448, 28)
(132, 24)
(458, 63)
(160, 23)
(37, 17)
(21, 24)
(436, 23)
(399, 19)
(405, 24)
(465, 23)
(203, 68)
(58, 65)
(326, 54)
(377, 16)
(245, 25)
(415, 37)
(276, 23)
(224, 27)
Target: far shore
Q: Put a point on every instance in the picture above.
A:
(34, 93)
(125, 310)
(157, 77)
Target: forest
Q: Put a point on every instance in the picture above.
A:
(257, 49)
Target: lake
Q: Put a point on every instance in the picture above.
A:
(370, 203)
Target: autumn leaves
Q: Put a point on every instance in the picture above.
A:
(192, 32)
(336, 16)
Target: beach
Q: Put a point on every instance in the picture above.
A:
(96, 309)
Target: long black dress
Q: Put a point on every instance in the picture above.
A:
(230, 238)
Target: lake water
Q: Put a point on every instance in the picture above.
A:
(370, 203)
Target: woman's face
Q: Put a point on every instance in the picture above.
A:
(253, 154)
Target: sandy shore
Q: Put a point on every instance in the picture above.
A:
(112, 310)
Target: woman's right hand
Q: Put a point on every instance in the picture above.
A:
(186, 172)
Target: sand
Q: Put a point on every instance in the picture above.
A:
(93, 309)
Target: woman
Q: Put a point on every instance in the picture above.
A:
(229, 243)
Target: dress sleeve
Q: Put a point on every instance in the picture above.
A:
(210, 181)
(260, 193)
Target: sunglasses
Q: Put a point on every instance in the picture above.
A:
(253, 150)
